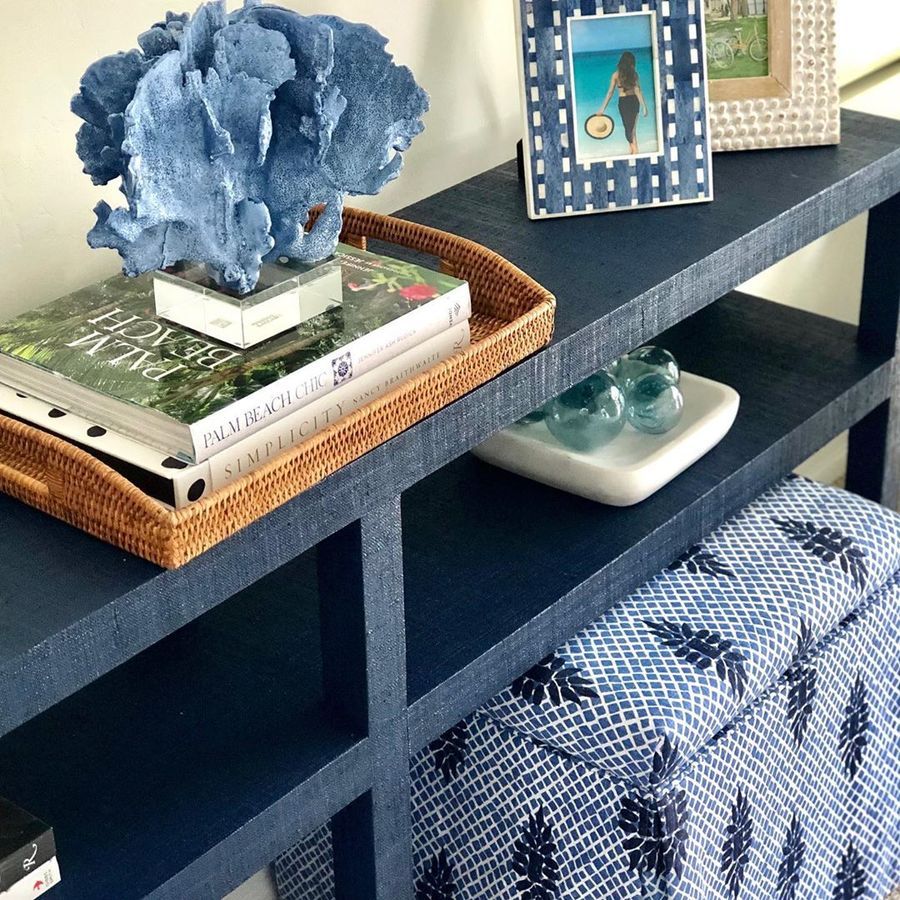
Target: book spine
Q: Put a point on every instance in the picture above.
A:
(38, 882)
(244, 417)
(27, 860)
(258, 449)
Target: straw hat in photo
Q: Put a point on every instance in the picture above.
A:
(599, 126)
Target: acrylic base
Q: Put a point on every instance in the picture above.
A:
(283, 299)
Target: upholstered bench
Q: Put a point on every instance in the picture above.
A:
(732, 729)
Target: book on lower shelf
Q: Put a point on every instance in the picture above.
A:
(28, 865)
(102, 354)
(178, 483)
(38, 882)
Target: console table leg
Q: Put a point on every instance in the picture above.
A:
(873, 464)
(364, 654)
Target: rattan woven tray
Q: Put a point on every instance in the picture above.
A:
(512, 317)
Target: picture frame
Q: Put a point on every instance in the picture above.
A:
(636, 69)
(792, 99)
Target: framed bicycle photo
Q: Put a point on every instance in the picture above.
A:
(615, 103)
(772, 73)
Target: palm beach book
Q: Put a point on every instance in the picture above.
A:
(101, 353)
(177, 483)
(26, 845)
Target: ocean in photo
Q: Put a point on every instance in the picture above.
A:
(591, 75)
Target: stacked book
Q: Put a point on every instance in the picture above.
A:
(28, 864)
(181, 415)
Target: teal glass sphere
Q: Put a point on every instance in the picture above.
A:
(654, 405)
(645, 361)
(588, 415)
(536, 415)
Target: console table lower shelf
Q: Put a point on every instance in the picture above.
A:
(182, 772)
(727, 692)
(632, 466)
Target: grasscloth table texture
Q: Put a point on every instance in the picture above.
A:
(153, 683)
(512, 317)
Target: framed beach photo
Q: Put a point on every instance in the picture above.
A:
(772, 73)
(615, 103)
(615, 78)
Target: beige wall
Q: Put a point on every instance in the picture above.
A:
(462, 51)
(869, 36)
(826, 276)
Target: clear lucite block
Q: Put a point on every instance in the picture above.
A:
(283, 299)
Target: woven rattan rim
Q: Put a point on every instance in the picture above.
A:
(512, 318)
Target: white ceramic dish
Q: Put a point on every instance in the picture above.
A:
(634, 465)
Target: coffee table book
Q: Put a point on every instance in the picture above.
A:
(513, 316)
(102, 353)
(26, 846)
(177, 483)
(35, 884)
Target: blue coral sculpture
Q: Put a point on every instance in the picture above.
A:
(226, 130)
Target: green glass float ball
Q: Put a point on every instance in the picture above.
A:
(644, 361)
(588, 415)
(536, 415)
(654, 404)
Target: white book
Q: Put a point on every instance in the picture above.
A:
(36, 883)
(178, 483)
(259, 449)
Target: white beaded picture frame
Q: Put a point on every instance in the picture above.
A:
(562, 181)
(798, 103)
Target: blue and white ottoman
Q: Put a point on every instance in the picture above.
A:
(732, 729)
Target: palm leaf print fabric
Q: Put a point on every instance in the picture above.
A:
(789, 868)
(850, 880)
(436, 882)
(699, 561)
(802, 693)
(738, 844)
(854, 728)
(534, 860)
(828, 544)
(686, 652)
(663, 783)
(552, 680)
(704, 649)
(450, 751)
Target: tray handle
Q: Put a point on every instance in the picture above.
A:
(29, 489)
(45, 471)
(505, 290)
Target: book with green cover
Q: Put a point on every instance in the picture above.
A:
(102, 353)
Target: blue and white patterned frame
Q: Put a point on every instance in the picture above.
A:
(556, 183)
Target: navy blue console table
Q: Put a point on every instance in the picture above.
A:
(180, 729)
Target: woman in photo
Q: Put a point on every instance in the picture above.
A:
(631, 98)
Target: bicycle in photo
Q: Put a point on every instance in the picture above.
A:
(724, 48)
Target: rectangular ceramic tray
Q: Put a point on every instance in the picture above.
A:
(512, 318)
(632, 466)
